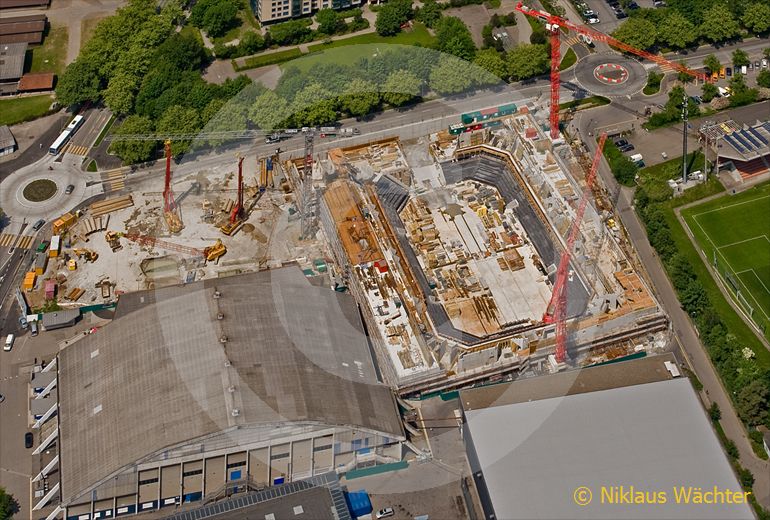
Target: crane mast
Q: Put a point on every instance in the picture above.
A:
(557, 307)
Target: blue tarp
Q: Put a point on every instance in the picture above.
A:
(358, 503)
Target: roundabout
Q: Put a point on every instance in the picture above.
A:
(610, 75)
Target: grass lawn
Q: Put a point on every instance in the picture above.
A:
(653, 83)
(50, 56)
(18, 110)
(87, 28)
(733, 233)
(417, 35)
(568, 60)
(589, 102)
(654, 179)
(188, 30)
(734, 323)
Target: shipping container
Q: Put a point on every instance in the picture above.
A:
(53, 251)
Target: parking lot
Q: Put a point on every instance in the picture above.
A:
(609, 13)
(17, 464)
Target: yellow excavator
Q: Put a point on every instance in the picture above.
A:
(88, 254)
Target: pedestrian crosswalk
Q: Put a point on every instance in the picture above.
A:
(11, 240)
(666, 67)
(572, 40)
(76, 149)
(113, 181)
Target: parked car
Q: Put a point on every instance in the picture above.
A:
(37, 225)
(659, 3)
(764, 63)
(2, 398)
(620, 14)
(751, 66)
(633, 5)
(9, 339)
(626, 148)
(756, 64)
(728, 71)
(70, 188)
(385, 513)
(588, 13)
(23, 322)
(29, 440)
(593, 21)
(621, 142)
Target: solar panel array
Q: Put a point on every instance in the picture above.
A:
(748, 141)
(327, 480)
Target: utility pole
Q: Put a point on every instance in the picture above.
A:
(684, 136)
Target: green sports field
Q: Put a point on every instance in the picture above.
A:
(734, 234)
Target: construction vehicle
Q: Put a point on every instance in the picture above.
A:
(554, 24)
(170, 207)
(88, 254)
(210, 253)
(238, 214)
(72, 264)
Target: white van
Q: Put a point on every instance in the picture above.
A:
(637, 157)
(9, 342)
(744, 70)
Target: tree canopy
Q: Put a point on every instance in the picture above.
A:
(528, 60)
(756, 17)
(429, 13)
(453, 37)
(450, 76)
(719, 24)
(401, 87)
(491, 61)
(214, 16)
(676, 31)
(637, 32)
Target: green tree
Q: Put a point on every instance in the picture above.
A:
(231, 116)
(429, 13)
(269, 111)
(714, 412)
(766, 52)
(120, 93)
(746, 477)
(528, 60)
(219, 18)
(179, 120)
(637, 32)
(401, 87)
(314, 105)
(676, 31)
(740, 93)
(719, 24)
(712, 63)
(132, 152)
(756, 17)
(763, 78)
(80, 82)
(329, 21)
(453, 37)
(251, 43)
(8, 505)
(403, 8)
(732, 450)
(360, 98)
(287, 33)
(753, 402)
(491, 61)
(181, 51)
(740, 58)
(388, 21)
(450, 76)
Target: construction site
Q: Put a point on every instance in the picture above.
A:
(169, 230)
(474, 256)
(482, 256)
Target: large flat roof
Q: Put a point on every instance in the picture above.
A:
(651, 436)
(167, 371)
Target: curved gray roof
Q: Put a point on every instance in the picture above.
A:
(160, 375)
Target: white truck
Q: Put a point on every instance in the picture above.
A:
(9, 342)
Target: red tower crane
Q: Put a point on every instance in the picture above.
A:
(170, 209)
(237, 213)
(557, 307)
(555, 23)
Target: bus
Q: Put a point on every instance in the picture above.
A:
(65, 136)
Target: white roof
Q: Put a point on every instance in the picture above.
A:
(653, 436)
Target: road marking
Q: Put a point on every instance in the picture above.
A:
(76, 149)
(731, 205)
(8, 240)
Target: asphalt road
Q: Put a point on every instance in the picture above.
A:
(687, 337)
